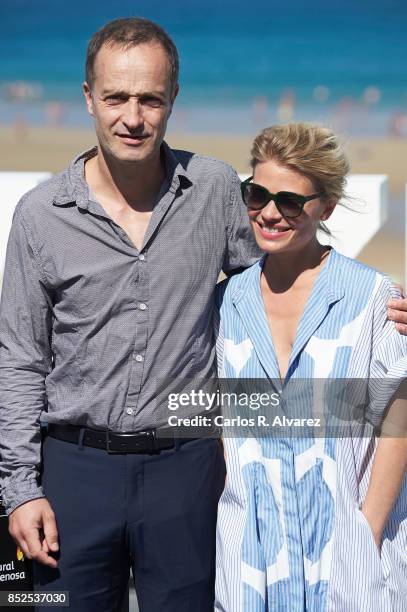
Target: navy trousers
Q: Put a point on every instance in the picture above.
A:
(155, 513)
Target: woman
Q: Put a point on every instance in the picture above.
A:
(308, 522)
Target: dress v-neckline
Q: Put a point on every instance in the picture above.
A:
(285, 378)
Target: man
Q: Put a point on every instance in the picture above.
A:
(108, 288)
(110, 271)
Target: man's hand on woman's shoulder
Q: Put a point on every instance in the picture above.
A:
(397, 312)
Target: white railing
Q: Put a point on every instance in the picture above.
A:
(352, 229)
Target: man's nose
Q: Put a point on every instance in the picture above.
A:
(132, 115)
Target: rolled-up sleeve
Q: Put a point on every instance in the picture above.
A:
(25, 361)
(242, 250)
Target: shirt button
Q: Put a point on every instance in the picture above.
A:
(142, 306)
(139, 357)
(141, 257)
(129, 410)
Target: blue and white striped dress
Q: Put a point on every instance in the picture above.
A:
(291, 536)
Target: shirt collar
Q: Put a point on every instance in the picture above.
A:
(75, 190)
(327, 289)
(330, 278)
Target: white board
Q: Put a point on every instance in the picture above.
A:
(354, 227)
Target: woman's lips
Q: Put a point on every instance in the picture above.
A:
(273, 233)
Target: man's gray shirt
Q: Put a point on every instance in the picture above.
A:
(88, 323)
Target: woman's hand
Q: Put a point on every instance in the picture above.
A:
(388, 470)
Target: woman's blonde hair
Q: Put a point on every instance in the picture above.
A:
(310, 150)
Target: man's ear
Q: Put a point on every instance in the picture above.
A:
(88, 97)
(328, 210)
(173, 96)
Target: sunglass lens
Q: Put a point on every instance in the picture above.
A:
(254, 196)
(290, 204)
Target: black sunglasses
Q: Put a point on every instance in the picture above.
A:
(288, 204)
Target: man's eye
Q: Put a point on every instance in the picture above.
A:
(114, 99)
(151, 101)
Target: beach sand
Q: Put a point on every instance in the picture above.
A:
(51, 148)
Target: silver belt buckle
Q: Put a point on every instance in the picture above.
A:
(146, 441)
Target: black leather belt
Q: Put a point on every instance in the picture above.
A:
(148, 441)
